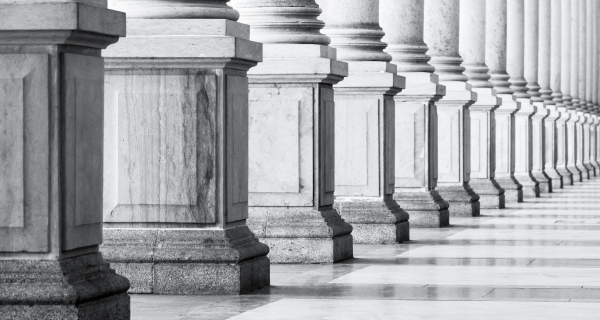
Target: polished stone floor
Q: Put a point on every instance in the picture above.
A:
(534, 260)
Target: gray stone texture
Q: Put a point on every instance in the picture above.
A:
(375, 222)
(188, 261)
(463, 201)
(83, 287)
(302, 235)
(426, 209)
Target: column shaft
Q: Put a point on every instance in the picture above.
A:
(562, 124)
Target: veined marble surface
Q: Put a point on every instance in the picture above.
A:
(534, 260)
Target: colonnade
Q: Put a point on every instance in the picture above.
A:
(215, 138)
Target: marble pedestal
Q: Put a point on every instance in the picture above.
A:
(483, 149)
(51, 93)
(364, 156)
(580, 148)
(562, 149)
(586, 146)
(524, 149)
(176, 158)
(454, 149)
(594, 143)
(416, 151)
(505, 149)
(551, 147)
(572, 146)
(538, 137)
(292, 160)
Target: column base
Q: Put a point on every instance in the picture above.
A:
(491, 194)
(302, 235)
(531, 188)
(513, 190)
(566, 175)
(545, 182)
(464, 202)
(596, 167)
(590, 170)
(576, 173)
(376, 221)
(426, 209)
(188, 261)
(556, 179)
(83, 287)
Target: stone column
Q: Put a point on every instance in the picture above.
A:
(364, 123)
(51, 76)
(549, 80)
(575, 120)
(589, 85)
(292, 131)
(495, 58)
(564, 101)
(483, 131)
(176, 151)
(441, 33)
(416, 162)
(523, 129)
(531, 69)
(595, 83)
(583, 124)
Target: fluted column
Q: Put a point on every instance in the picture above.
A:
(516, 70)
(416, 148)
(364, 123)
(549, 80)
(176, 150)
(531, 70)
(416, 162)
(292, 134)
(51, 87)
(483, 144)
(575, 121)
(441, 34)
(564, 102)
(495, 58)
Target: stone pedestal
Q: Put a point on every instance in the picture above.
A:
(524, 149)
(364, 153)
(454, 149)
(562, 148)
(572, 145)
(585, 145)
(539, 154)
(176, 152)
(364, 123)
(505, 149)
(51, 89)
(551, 147)
(416, 170)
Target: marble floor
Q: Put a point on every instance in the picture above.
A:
(534, 260)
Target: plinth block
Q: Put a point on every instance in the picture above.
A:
(188, 261)
(375, 222)
(426, 209)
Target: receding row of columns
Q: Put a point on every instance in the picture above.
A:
(216, 139)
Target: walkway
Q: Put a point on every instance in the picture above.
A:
(535, 260)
